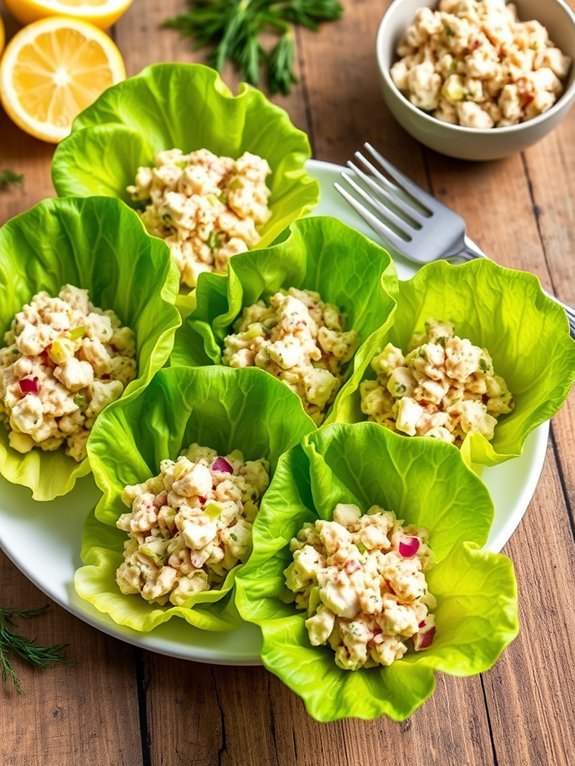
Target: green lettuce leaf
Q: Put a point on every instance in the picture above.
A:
(424, 482)
(504, 311)
(185, 106)
(216, 407)
(98, 244)
(320, 254)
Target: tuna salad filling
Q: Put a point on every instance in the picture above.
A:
(206, 208)
(299, 339)
(445, 387)
(473, 63)
(189, 525)
(63, 362)
(361, 579)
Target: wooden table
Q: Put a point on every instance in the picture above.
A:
(118, 705)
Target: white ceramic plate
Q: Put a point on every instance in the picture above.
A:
(43, 539)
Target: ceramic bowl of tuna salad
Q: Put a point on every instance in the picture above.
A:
(366, 575)
(87, 318)
(477, 79)
(477, 357)
(183, 469)
(304, 310)
(194, 160)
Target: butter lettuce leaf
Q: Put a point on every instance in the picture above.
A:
(98, 244)
(424, 482)
(317, 253)
(216, 407)
(184, 106)
(504, 311)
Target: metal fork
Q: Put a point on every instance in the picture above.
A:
(411, 221)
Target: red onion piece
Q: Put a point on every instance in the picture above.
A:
(29, 386)
(424, 639)
(351, 566)
(202, 499)
(408, 547)
(221, 464)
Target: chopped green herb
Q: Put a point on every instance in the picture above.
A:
(448, 30)
(236, 29)
(442, 340)
(400, 388)
(453, 66)
(14, 645)
(234, 536)
(215, 240)
(483, 366)
(9, 178)
(80, 400)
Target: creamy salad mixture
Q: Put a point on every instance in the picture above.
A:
(361, 579)
(299, 339)
(206, 208)
(473, 63)
(63, 362)
(190, 525)
(445, 387)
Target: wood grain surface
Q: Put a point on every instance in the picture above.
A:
(114, 705)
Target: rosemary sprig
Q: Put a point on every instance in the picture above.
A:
(14, 645)
(234, 29)
(9, 178)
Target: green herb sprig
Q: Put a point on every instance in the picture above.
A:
(14, 645)
(234, 29)
(9, 178)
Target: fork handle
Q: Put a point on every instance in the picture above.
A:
(470, 251)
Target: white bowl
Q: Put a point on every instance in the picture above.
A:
(474, 143)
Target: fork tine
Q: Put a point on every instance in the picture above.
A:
(387, 190)
(385, 233)
(401, 224)
(418, 194)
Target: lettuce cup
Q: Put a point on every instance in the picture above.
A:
(87, 316)
(307, 310)
(191, 458)
(377, 539)
(228, 170)
(477, 356)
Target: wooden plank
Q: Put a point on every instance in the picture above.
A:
(64, 710)
(530, 690)
(234, 716)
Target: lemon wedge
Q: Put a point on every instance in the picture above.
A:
(54, 68)
(101, 13)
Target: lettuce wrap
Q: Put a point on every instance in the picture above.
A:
(98, 244)
(184, 106)
(318, 253)
(504, 311)
(219, 408)
(424, 482)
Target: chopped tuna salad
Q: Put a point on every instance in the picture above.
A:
(361, 579)
(473, 63)
(189, 525)
(445, 387)
(63, 362)
(299, 339)
(206, 208)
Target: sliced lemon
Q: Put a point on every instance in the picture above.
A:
(102, 13)
(52, 70)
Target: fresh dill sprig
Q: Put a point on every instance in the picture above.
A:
(234, 29)
(14, 645)
(9, 178)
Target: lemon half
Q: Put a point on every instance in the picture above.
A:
(102, 13)
(53, 69)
